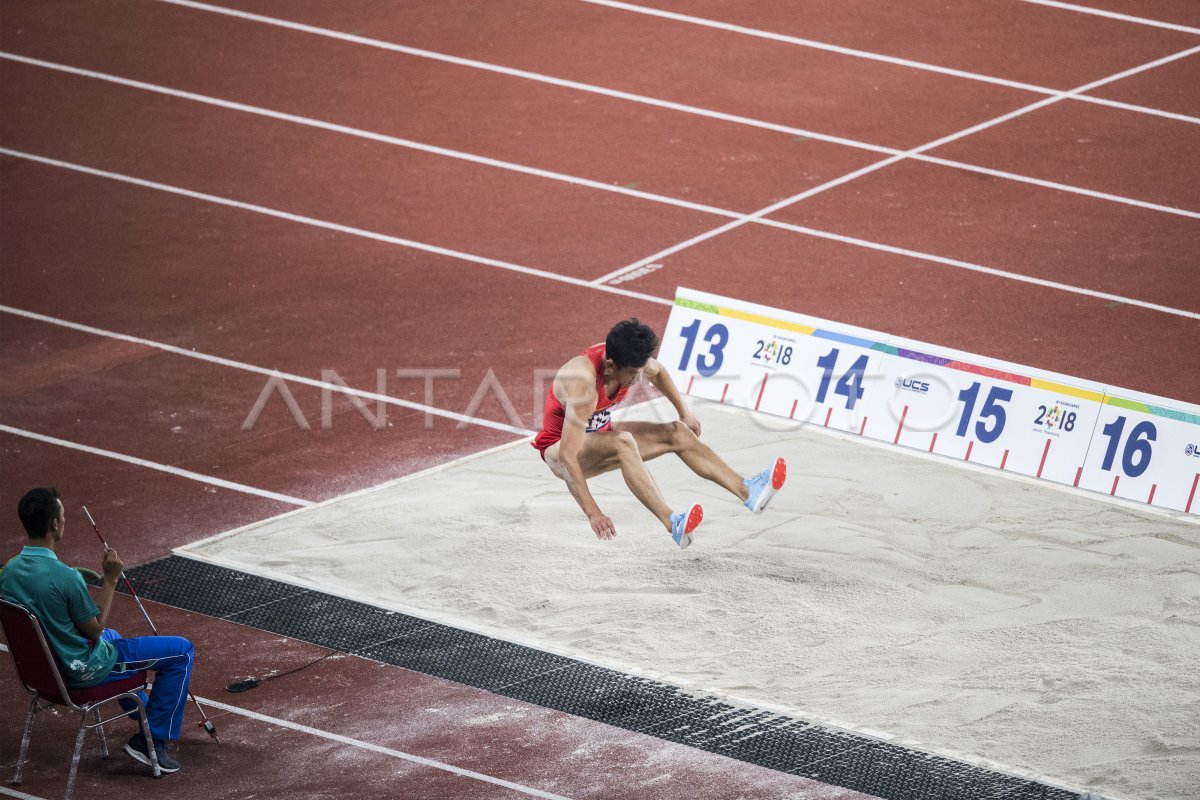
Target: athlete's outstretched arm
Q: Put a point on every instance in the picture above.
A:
(657, 374)
(579, 398)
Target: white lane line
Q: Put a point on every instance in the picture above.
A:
(365, 134)
(738, 219)
(914, 254)
(864, 54)
(541, 78)
(635, 98)
(815, 45)
(141, 462)
(549, 174)
(272, 373)
(1045, 184)
(889, 161)
(333, 226)
(381, 750)
(737, 223)
(1099, 12)
(1100, 101)
(4, 790)
(998, 273)
(533, 76)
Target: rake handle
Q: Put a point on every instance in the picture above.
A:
(204, 722)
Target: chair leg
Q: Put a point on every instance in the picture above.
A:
(103, 738)
(75, 757)
(25, 741)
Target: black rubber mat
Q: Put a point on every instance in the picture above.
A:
(832, 756)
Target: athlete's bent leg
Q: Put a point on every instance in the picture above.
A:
(605, 451)
(638, 478)
(656, 438)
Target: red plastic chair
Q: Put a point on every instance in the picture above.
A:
(38, 669)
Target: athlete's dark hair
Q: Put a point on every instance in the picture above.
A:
(630, 343)
(37, 509)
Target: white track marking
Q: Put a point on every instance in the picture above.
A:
(758, 219)
(738, 219)
(737, 216)
(1087, 98)
(894, 159)
(141, 462)
(380, 749)
(4, 790)
(541, 78)
(287, 376)
(757, 216)
(1012, 176)
(333, 226)
(365, 134)
(533, 76)
(815, 45)
(683, 108)
(996, 273)
(864, 54)
(1099, 12)
(549, 174)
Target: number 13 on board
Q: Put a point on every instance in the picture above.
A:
(709, 361)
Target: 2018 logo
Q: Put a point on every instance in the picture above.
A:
(772, 352)
(1055, 418)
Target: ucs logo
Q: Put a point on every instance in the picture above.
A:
(910, 385)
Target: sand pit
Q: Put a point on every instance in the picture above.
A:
(956, 609)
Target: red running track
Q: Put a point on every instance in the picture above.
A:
(656, 131)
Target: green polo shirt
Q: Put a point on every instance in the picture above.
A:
(59, 598)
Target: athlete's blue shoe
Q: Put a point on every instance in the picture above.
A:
(682, 525)
(764, 485)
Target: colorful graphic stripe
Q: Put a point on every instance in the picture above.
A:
(843, 338)
(1073, 391)
(943, 361)
(1158, 411)
(807, 330)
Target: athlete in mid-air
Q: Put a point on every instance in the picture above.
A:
(579, 440)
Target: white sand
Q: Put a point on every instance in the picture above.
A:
(957, 609)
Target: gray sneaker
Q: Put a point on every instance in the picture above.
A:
(135, 748)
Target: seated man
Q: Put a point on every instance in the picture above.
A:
(579, 441)
(89, 653)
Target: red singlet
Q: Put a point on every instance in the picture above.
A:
(601, 419)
